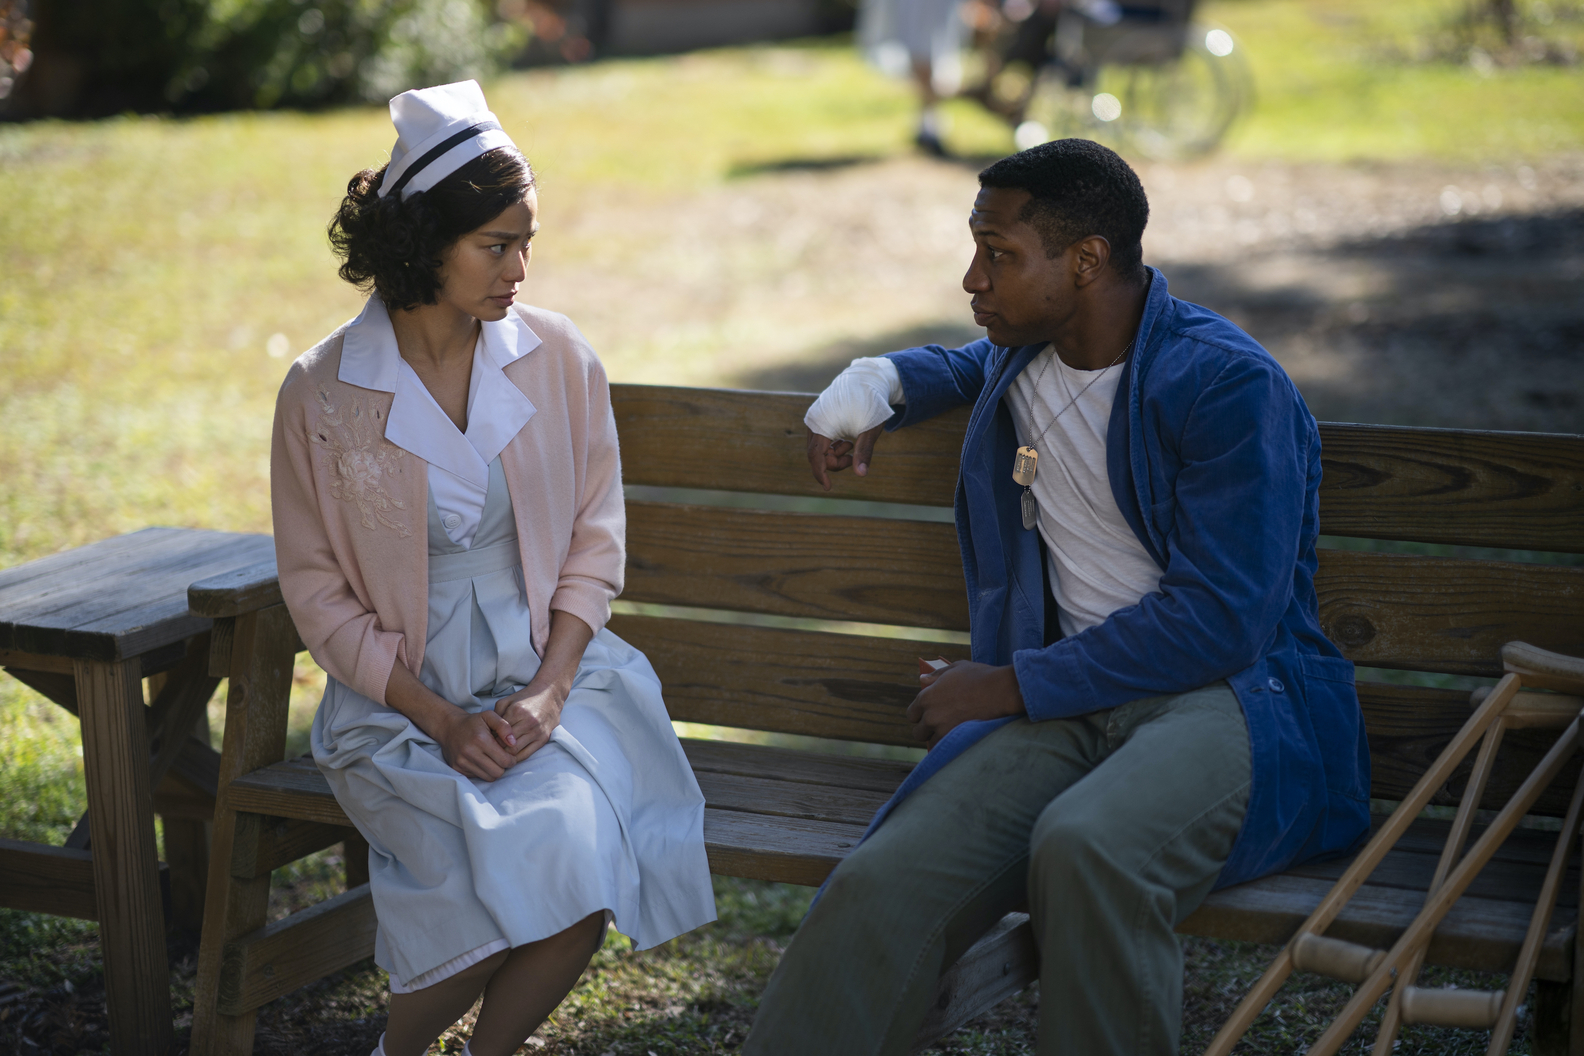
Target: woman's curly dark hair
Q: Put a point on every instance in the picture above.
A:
(392, 247)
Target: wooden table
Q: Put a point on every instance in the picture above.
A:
(85, 628)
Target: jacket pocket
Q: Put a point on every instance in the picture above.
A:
(1338, 724)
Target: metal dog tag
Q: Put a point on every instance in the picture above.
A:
(1030, 510)
(1025, 465)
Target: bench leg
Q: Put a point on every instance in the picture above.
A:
(354, 853)
(1552, 1025)
(125, 857)
(187, 854)
(999, 965)
(263, 648)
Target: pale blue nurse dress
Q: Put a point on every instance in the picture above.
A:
(607, 816)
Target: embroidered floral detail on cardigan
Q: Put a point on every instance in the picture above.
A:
(358, 459)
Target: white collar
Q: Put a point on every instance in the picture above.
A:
(497, 409)
(369, 357)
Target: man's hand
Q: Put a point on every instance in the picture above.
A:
(961, 692)
(532, 715)
(473, 744)
(826, 456)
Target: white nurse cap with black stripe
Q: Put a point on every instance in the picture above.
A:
(438, 130)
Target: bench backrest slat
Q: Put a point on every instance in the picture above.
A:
(796, 564)
(784, 681)
(1517, 491)
(1409, 725)
(1513, 490)
(1445, 615)
(753, 441)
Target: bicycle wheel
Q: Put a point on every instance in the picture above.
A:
(1162, 99)
(1183, 107)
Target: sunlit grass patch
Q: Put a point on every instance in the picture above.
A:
(41, 772)
(1341, 80)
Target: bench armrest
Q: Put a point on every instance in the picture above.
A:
(234, 593)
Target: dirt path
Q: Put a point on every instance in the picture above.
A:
(1410, 294)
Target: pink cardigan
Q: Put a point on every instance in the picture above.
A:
(350, 507)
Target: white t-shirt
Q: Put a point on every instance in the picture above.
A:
(1097, 564)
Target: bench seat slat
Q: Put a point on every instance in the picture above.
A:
(785, 850)
(1485, 928)
(1478, 933)
(1410, 868)
(787, 764)
(790, 799)
(796, 564)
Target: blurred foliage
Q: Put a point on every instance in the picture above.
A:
(1488, 34)
(16, 32)
(107, 56)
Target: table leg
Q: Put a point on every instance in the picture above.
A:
(187, 840)
(125, 859)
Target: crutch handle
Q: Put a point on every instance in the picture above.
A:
(1534, 711)
(1476, 1009)
(1347, 961)
(1541, 667)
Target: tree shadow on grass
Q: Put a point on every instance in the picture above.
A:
(1475, 324)
(815, 369)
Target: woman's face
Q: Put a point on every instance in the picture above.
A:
(480, 273)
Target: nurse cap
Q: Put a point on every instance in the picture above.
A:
(438, 130)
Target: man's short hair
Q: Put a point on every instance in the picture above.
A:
(1079, 189)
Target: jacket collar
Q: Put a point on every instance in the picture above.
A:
(1007, 363)
(497, 408)
(1124, 438)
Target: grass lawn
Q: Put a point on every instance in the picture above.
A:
(157, 276)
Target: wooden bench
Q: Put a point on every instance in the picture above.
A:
(723, 575)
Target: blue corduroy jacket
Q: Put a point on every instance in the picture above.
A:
(1214, 461)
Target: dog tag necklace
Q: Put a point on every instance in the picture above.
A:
(1026, 463)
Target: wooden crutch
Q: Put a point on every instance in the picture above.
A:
(1507, 706)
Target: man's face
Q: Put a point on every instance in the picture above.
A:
(1020, 295)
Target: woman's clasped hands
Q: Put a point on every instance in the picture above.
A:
(485, 744)
(531, 714)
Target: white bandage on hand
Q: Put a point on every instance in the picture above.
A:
(860, 398)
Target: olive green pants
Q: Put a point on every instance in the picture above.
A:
(1111, 828)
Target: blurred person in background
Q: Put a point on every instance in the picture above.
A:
(921, 38)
